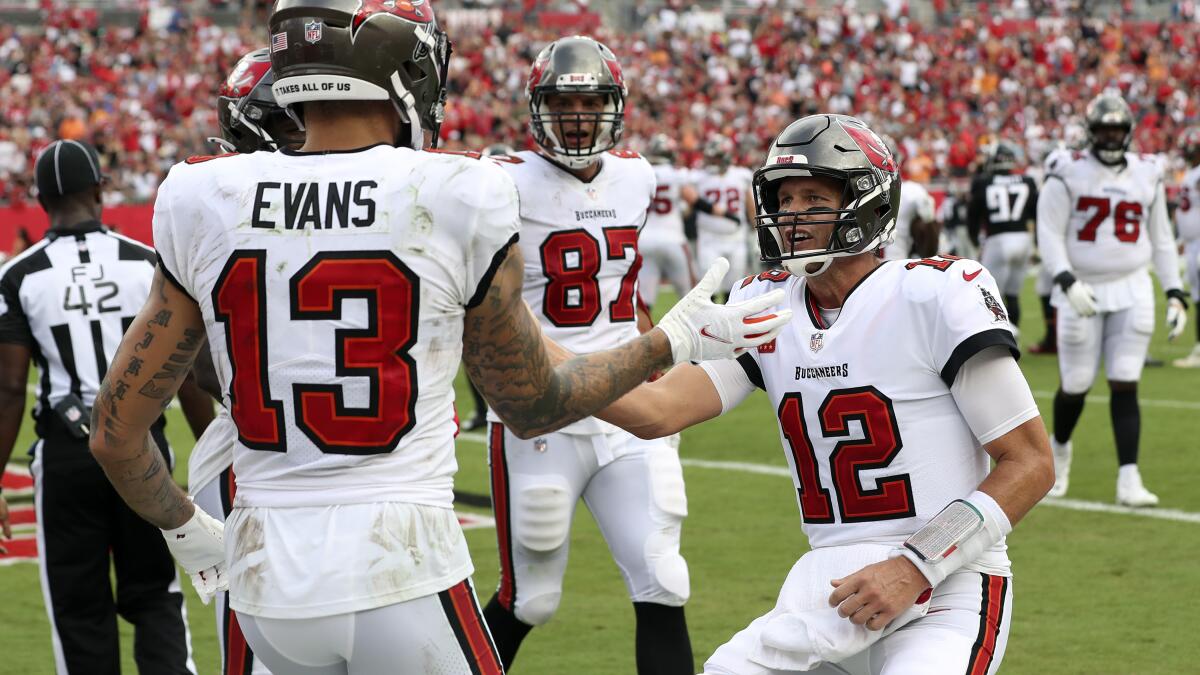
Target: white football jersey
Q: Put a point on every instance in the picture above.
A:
(1187, 213)
(580, 245)
(1106, 223)
(729, 189)
(873, 437)
(213, 452)
(664, 221)
(915, 202)
(336, 284)
(579, 241)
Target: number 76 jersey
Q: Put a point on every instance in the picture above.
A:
(333, 289)
(873, 437)
(1105, 222)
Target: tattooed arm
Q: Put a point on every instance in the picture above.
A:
(508, 361)
(155, 355)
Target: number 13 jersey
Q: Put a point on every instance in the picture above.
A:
(873, 437)
(333, 289)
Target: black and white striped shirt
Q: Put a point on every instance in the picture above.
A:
(70, 298)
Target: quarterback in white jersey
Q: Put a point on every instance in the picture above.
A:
(339, 287)
(1102, 220)
(890, 449)
(1187, 219)
(726, 185)
(662, 242)
(582, 204)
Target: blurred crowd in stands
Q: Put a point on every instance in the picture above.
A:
(144, 95)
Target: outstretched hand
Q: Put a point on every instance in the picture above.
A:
(700, 330)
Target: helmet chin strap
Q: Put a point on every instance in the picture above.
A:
(802, 266)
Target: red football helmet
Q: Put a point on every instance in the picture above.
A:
(250, 119)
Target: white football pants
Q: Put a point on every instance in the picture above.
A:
(1122, 338)
(665, 259)
(732, 247)
(634, 490)
(1006, 256)
(965, 631)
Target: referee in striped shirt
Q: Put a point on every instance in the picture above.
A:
(65, 303)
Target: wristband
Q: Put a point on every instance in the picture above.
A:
(956, 536)
(1064, 280)
(1177, 294)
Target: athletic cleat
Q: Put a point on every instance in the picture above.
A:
(1192, 360)
(1130, 491)
(1043, 347)
(1062, 467)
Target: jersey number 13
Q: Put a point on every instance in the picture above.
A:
(378, 352)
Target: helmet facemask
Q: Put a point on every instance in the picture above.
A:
(607, 124)
(1110, 148)
(865, 207)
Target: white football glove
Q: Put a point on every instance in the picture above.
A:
(199, 546)
(700, 330)
(1176, 314)
(1079, 294)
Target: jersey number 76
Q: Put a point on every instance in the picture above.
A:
(378, 352)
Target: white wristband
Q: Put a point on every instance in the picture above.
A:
(963, 543)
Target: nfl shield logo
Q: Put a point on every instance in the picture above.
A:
(539, 445)
(816, 342)
(312, 32)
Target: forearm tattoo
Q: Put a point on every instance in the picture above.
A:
(507, 360)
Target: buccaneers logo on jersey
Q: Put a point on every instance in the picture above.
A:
(994, 306)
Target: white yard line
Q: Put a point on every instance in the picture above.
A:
(1148, 402)
(1061, 503)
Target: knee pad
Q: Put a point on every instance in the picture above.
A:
(669, 582)
(542, 516)
(666, 481)
(539, 609)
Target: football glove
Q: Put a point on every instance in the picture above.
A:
(700, 330)
(1079, 294)
(199, 546)
(1176, 313)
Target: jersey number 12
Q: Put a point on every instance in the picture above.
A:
(879, 445)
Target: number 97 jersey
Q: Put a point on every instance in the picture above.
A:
(875, 441)
(333, 289)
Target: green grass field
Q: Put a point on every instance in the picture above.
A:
(1095, 592)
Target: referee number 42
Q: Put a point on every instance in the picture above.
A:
(87, 292)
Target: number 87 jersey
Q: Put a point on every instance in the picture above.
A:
(333, 289)
(580, 244)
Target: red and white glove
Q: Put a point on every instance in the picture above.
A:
(199, 546)
(700, 330)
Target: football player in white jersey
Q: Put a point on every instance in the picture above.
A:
(895, 386)
(1187, 219)
(1001, 213)
(339, 286)
(250, 121)
(917, 228)
(662, 242)
(722, 183)
(1102, 220)
(582, 202)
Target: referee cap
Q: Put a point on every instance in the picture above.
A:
(67, 167)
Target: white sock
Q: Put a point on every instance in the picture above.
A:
(1127, 472)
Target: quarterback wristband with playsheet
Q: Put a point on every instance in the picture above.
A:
(956, 536)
